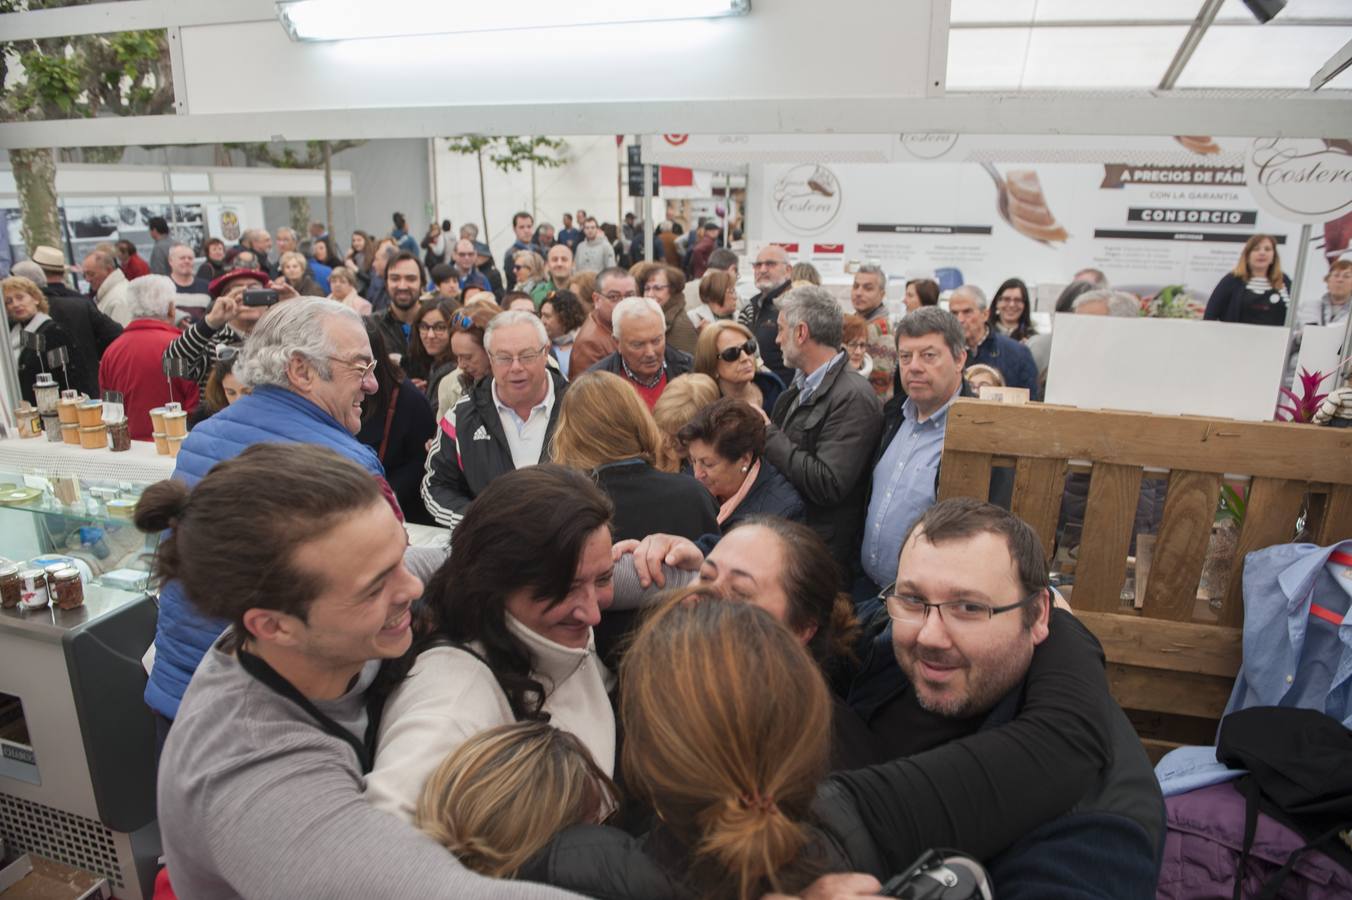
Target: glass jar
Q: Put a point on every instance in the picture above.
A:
(120, 435)
(66, 588)
(29, 420)
(32, 588)
(52, 425)
(10, 592)
(47, 393)
(68, 407)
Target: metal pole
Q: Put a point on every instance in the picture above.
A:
(1296, 277)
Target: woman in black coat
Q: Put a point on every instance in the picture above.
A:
(1256, 292)
(724, 442)
(26, 307)
(397, 422)
(604, 428)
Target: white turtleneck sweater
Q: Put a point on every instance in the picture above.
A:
(450, 695)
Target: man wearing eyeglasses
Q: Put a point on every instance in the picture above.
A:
(596, 339)
(761, 314)
(503, 425)
(467, 272)
(967, 609)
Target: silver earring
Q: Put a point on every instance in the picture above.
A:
(746, 468)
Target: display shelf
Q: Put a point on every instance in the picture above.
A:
(77, 513)
(50, 623)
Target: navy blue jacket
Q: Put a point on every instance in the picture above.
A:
(1012, 359)
(771, 495)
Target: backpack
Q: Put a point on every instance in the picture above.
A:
(1300, 773)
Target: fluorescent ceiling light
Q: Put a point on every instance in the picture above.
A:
(341, 20)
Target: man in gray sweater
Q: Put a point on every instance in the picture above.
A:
(260, 784)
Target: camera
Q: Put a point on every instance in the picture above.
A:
(941, 875)
(260, 297)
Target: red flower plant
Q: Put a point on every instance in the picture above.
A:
(1303, 407)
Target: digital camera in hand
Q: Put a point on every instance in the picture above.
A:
(941, 875)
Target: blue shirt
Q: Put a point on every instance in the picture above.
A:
(807, 384)
(903, 488)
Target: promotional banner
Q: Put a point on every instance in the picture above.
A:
(1148, 212)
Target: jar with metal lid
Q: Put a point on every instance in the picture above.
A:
(67, 590)
(47, 393)
(10, 592)
(29, 420)
(32, 589)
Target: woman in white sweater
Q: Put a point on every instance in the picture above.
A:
(506, 633)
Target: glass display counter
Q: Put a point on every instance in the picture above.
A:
(77, 743)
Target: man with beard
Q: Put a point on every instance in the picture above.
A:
(970, 604)
(761, 315)
(404, 280)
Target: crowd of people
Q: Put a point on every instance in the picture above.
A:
(702, 628)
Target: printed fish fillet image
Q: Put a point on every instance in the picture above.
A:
(1027, 209)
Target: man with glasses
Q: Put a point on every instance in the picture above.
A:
(404, 280)
(644, 359)
(596, 340)
(504, 424)
(467, 272)
(309, 365)
(761, 315)
(969, 606)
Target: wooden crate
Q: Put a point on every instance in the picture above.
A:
(1172, 661)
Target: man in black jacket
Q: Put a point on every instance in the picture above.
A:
(644, 359)
(771, 271)
(825, 426)
(89, 330)
(405, 280)
(970, 604)
(504, 423)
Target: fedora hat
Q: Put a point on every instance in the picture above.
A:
(50, 259)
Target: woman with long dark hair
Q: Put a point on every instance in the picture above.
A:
(430, 357)
(507, 631)
(1010, 311)
(397, 423)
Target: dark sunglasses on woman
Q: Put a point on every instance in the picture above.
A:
(732, 354)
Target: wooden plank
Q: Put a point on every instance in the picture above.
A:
(964, 474)
(1170, 646)
(1106, 537)
(1157, 749)
(1180, 693)
(1270, 518)
(1335, 521)
(1166, 727)
(1195, 443)
(1038, 487)
(1180, 549)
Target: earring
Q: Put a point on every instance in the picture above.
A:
(746, 468)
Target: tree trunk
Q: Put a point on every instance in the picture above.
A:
(483, 202)
(328, 192)
(35, 178)
(300, 215)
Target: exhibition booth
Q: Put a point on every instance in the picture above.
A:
(878, 133)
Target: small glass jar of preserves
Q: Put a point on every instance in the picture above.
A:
(66, 588)
(119, 435)
(10, 591)
(32, 588)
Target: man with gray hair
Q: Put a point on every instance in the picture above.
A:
(825, 426)
(310, 365)
(867, 296)
(258, 242)
(1103, 302)
(107, 286)
(1092, 276)
(771, 272)
(131, 364)
(987, 346)
(504, 424)
(644, 359)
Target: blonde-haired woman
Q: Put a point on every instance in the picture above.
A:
(727, 352)
(605, 430)
(531, 277)
(483, 803)
(296, 270)
(1256, 292)
(685, 395)
(26, 308)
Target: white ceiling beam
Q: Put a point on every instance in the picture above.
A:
(1234, 114)
(130, 15)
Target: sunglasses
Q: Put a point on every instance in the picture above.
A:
(732, 354)
(461, 320)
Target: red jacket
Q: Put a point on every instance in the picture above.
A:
(131, 365)
(135, 267)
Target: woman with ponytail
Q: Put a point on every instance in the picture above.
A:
(727, 730)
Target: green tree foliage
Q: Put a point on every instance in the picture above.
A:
(508, 154)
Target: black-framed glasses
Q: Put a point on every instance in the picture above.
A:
(433, 328)
(526, 357)
(910, 609)
(732, 354)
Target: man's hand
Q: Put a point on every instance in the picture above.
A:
(284, 289)
(223, 310)
(852, 886)
(655, 550)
